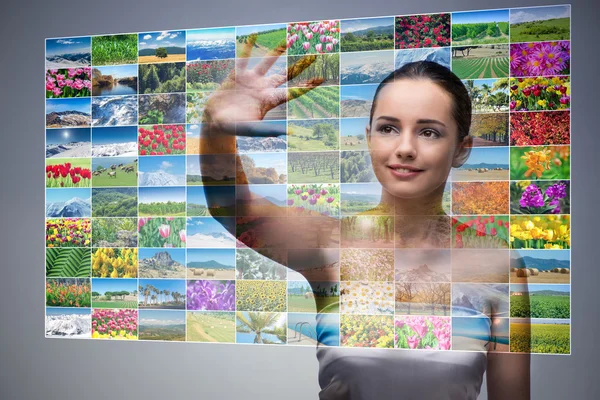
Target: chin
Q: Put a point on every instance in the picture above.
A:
(407, 190)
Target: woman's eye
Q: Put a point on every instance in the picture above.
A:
(430, 133)
(386, 129)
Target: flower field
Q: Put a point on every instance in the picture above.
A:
(314, 199)
(540, 162)
(68, 292)
(540, 93)
(480, 232)
(543, 197)
(367, 331)
(540, 128)
(211, 295)
(68, 232)
(207, 76)
(422, 31)
(114, 324)
(367, 265)
(161, 232)
(255, 295)
(74, 173)
(115, 263)
(540, 338)
(161, 140)
(367, 297)
(68, 82)
(420, 332)
(317, 37)
(540, 59)
(540, 232)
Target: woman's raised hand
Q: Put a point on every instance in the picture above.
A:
(248, 94)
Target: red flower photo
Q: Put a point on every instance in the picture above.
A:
(415, 31)
(540, 128)
(158, 140)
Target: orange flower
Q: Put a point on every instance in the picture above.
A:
(537, 161)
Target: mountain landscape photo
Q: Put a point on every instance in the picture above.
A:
(75, 207)
(160, 265)
(71, 149)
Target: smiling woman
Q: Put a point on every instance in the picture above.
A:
(418, 131)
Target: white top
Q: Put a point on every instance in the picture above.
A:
(370, 373)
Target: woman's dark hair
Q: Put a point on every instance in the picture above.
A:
(446, 79)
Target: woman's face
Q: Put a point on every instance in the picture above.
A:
(413, 137)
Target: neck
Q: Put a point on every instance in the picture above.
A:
(425, 207)
(421, 222)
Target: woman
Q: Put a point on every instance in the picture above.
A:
(418, 130)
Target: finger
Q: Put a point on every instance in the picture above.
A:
(281, 95)
(300, 65)
(263, 67)
(246, 50)
(229, 82)
(296, 92)
(278, 80)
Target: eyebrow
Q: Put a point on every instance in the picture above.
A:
(419, 121)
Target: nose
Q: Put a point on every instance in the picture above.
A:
(406, 146)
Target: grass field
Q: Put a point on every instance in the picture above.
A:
(479, 68)
(537, 31)
(302, 140)
(122, 178)
(352, 143)
(264, 42)
(114, 304)
(203, 327)
(537, 306)
(115, 49)
(301, 304)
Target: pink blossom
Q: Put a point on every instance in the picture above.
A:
(306, 45)
(319, 47)
(413, 341)
(182, 235)
(329, 47)
(164, 230)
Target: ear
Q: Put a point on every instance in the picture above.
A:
(368, 135)
(463, 151)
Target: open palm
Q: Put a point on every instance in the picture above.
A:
(249, 94)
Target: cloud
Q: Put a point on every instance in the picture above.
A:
(163, 35)
(147, 37)
(66, 41)
(165, 165)
(539, 14)
(142, 43)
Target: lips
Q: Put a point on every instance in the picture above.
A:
(404, 168)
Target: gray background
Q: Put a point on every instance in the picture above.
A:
(36, 368)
